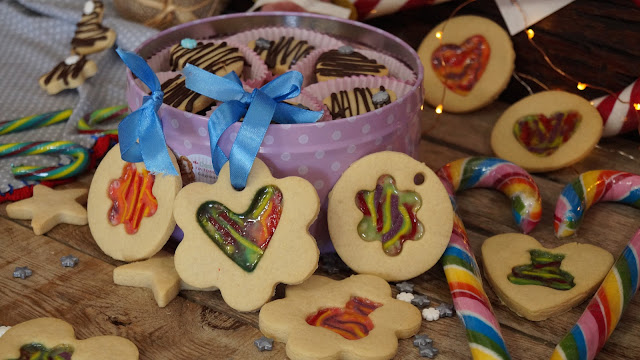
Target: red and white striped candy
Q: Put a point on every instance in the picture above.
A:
(617, 116)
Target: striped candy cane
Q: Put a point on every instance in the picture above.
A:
(34, 121)
(460, 266)
(79, 164)
(605, 309)
(618, 117)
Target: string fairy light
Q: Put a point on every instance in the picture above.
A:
(518, 75)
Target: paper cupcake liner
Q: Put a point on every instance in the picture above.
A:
(255, 70)
(396, 68)
(325, 88)
(318, 40)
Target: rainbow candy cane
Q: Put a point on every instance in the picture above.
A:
(79, 164)
(115, 113)
(604, 311)
(460, 265)
(34, 121)
(590, 188)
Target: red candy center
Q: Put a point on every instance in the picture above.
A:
(351, 322)
(132, 198)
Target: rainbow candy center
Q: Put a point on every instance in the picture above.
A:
(37, 351)
(544, 270)
(459, 68)
(542, 135)
(390, 215)
(132, 198)
(243, 237)
(351, 322)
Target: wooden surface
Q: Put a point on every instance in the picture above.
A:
(200, 325)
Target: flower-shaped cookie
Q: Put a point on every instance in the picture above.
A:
(245, 242)
(356, 318)
(55, 339)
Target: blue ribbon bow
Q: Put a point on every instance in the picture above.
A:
(140, 133)
(259, 108)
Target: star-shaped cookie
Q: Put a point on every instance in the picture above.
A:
(158, 274)
(48, 208)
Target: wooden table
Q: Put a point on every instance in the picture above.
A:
(200, 325)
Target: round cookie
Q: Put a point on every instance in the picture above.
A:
(51, 338)
(474, 57)
(132, 230)
(367, 198)
(547, 131)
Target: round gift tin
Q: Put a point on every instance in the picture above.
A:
(318, 152)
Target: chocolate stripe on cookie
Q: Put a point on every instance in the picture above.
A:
(65, 72)
(354, 102)
(178, 96)
(283, 49)
(210, 57)
(90, 30)
(336, 64)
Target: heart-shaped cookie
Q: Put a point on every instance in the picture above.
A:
(243, 237)
(460, 67)
(542, 135)
(538, 283)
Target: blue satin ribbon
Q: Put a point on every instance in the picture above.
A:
(140, 133)
(259, 108)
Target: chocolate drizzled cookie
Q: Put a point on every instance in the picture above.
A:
(91, 36)
(68, 74)
(282, 54)
(347, 103)
(345, 62)
(219, 59)
(178, 96)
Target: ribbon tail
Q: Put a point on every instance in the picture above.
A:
(223, 89)
(291, 114)
(140, 68)
(250, 136)
(225, 115)
(154, 149)
(128, 134)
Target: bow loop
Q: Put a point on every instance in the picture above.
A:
(258, 108)
(140, 133)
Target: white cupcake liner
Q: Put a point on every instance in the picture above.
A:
(396, 68)
(318, 40)
(325, 88)
(255, 70)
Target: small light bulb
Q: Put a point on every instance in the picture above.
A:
(530, 33)
(581, 86)
(439, 109)
(421, 107)
(439, 35)
(636, 106)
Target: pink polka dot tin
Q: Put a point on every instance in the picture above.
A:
(318, 152)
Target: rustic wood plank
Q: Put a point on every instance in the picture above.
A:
(86, 297)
